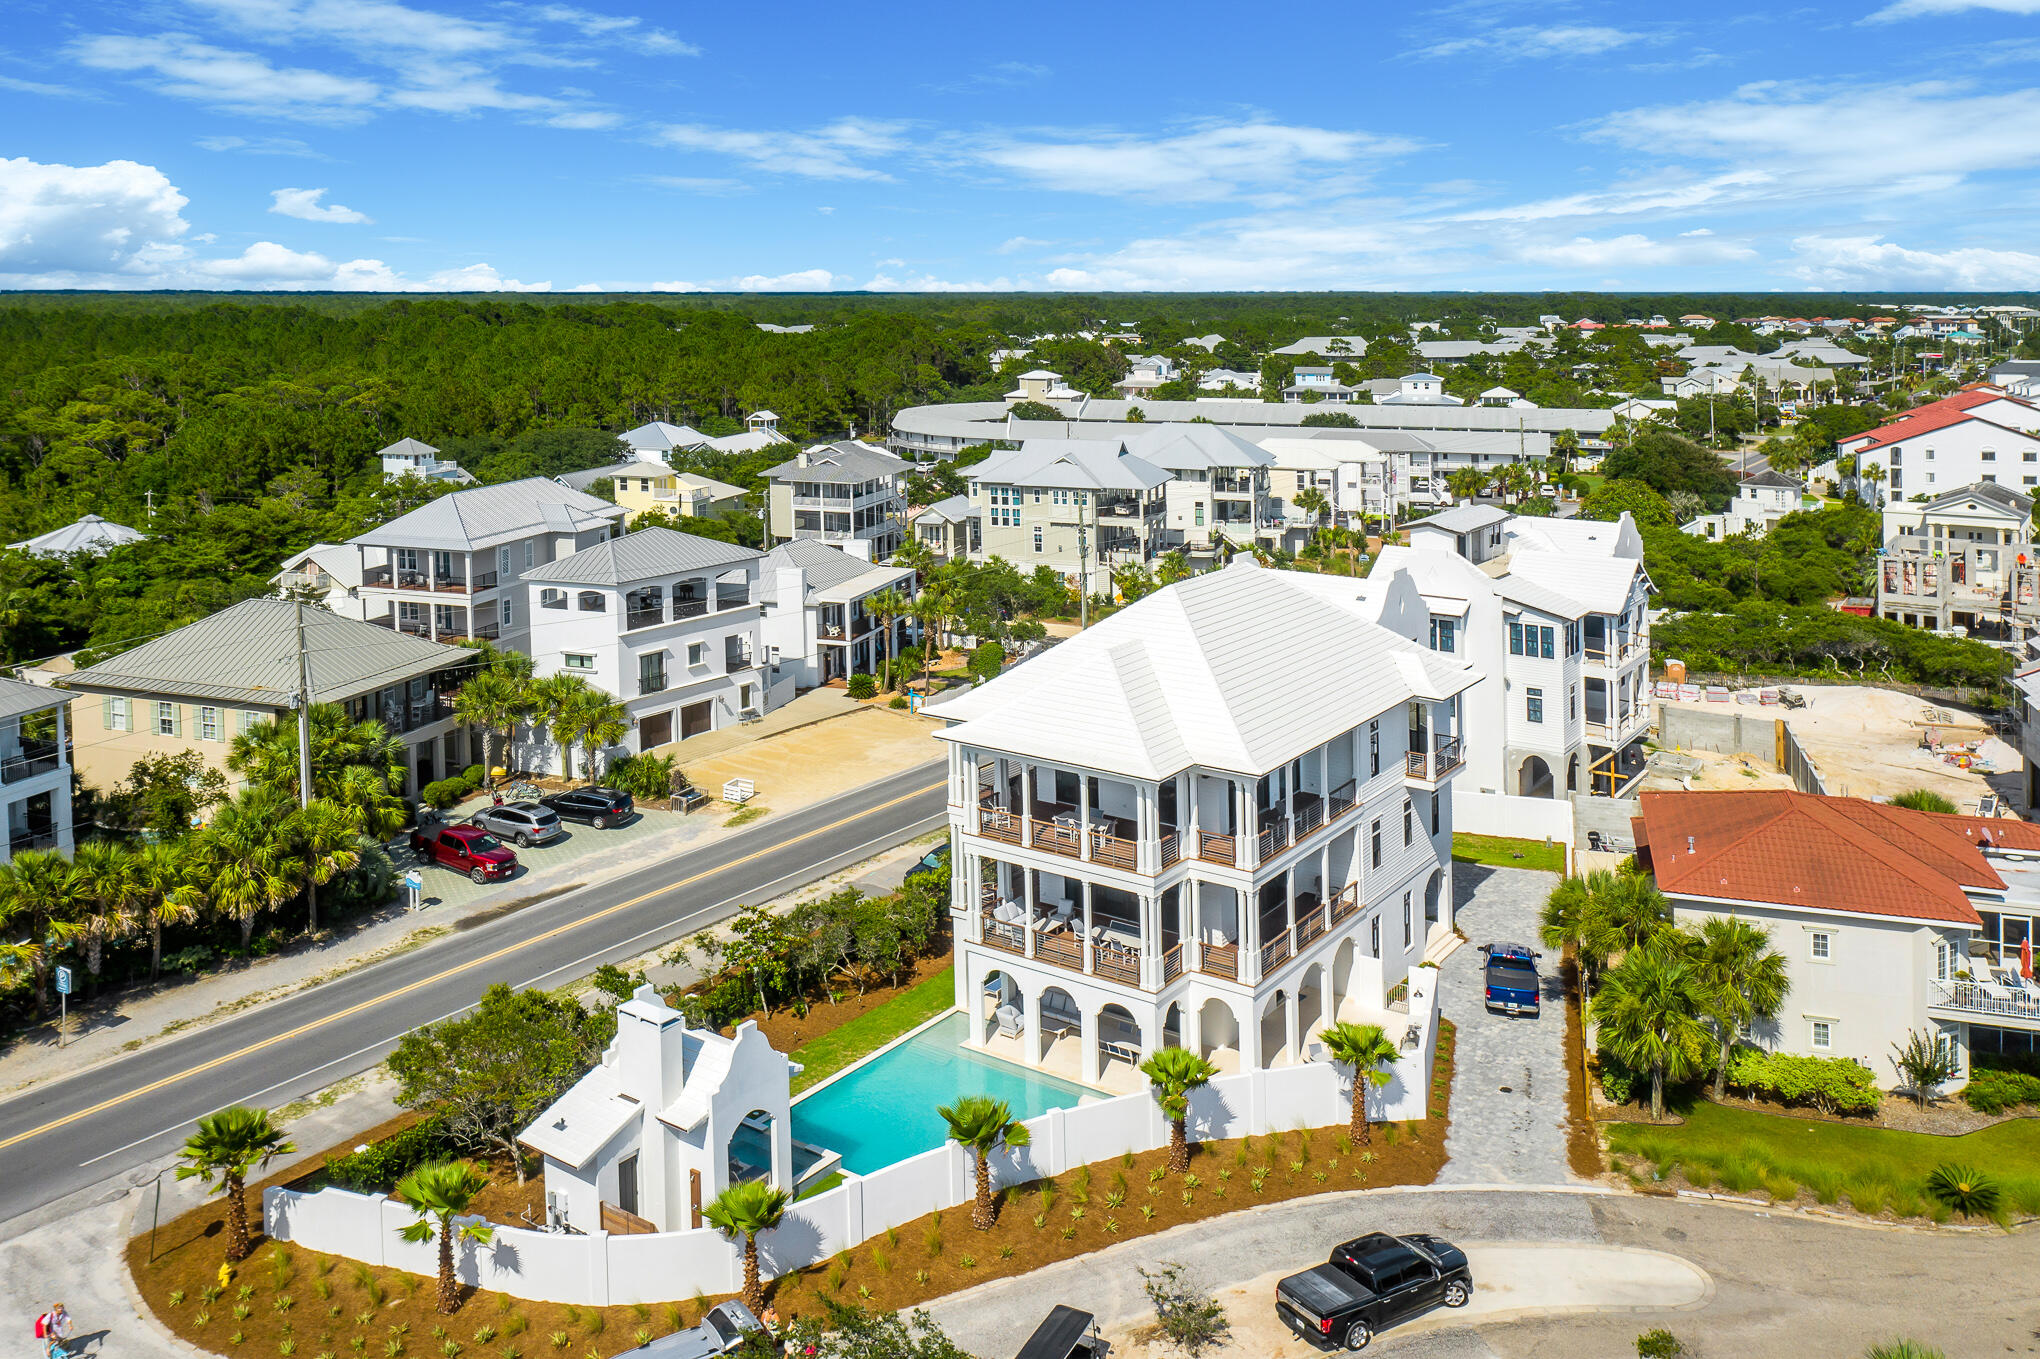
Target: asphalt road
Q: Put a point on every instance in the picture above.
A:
(65, 1135)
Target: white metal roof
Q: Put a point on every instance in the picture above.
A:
(1601, 583)
(89, 534)
(1242, 669)
(1073, 464)
(647, 554)
(580, 1122)
(484, 516)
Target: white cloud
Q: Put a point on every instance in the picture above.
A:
(181, 66)
(259, 146)
(1916, 9)
(1632, 250)
(44, 91)
(1210, 162)
(1530, 43)
(83, 219)
(1658, 193)
(1872, 262)
(1349, 244)
(801, 281)
(1004, 75)
(304, 204)
(1013, 244)
(367, 25)
(836, 151)
(883, 282)
(621, 28)
(714, 188)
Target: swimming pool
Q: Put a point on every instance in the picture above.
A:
(884, 1111)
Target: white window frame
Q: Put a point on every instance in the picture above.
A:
(208, 723)
(503, 610)
(1816, 1030)
(121, 715)
(503, 561)
(1820, 946)
(576, 660)
(697, 654)
(166, 718)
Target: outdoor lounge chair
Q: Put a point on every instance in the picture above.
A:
(1009, 1021)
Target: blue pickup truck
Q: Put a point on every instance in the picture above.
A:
(1512, 986)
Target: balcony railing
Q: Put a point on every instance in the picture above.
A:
(1214, 848)
(1343, 798)
(1172, 847)
(33, 838)
(1110, 849)
(2007, 1003)
(1059, 950)
(999, 934)
(484, 580)
(643, 618)
(1219, 960)
(33, 760)
(1345, 902)
(1117, 964)
(1443, 759)
(996, 823)
(1275, 952)
(1055, 839)
(1273, 838)
(689, 608)
(1172, 963)
(1309, 817)
(651, 684)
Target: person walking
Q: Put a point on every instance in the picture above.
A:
(54, 1327)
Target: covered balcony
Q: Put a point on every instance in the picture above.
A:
(1067, 923)
(1434, 749)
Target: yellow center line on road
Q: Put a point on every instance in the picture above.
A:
(439, 978)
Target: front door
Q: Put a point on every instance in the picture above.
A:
(696, 718)
(626, 1184)
(655, 730)
(424, 764)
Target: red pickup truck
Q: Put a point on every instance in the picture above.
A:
(465, 849)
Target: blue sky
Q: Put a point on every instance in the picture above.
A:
(432, 145)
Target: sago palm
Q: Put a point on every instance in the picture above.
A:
(1748, 980)
(743, 1211)
(225, 1147)
(1367, 1049)
(1648, 1015)
(438, 1194)
(1173, 1073)
(982, 1125)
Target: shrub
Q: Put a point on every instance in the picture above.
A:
(377, 1170)
(647, 778)
(1993, 1092)
(1924, 800)
(862, 686)
(1658, 1344)
(1833, 1085)
(1618, 1081)
(898, 701)
(473, 776)
(443, 793)
(1902, 1349)
(987, 659)
(1967, 1191)
(1191, 1319)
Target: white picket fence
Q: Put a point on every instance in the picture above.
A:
(600, 1269)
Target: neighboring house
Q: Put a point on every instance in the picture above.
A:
(1356, 477)
(819, 626)
(35, 768)
(1041, 385)
(91, 535)
(452, 567)
(668, 622)
(1978, 434)
(1963, 560)
(1317, 384)
(1553, 616)
(415, 458)
(1418, 389)
(201, 686)
(2026, 682)
(1080, 506)
(326, 574)
(1503, 396)
(1760, 501)
(1218, 819)
(668, 1119)
(949, 528)
(655, 441)
(1326, 346)
(1222, 379)
(840, 493)
(1207, 343)
(1217, 487)
(647, 484)
(1891, 921)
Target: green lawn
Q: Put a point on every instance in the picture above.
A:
(1875, 1168)
(823, 1057)
(1499, 851)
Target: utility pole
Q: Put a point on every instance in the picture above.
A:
(1084, 570)
(149, 498)
(302, 700)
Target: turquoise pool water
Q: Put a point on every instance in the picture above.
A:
(884, 1111)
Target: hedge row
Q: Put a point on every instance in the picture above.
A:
(1993, 1091)
(444, 793)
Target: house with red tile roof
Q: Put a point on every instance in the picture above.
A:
(1977, 435)
(1891, 921)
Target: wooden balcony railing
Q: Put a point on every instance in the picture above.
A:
(1219, 960)
(1000, 935)
(1309, 927)
(1056, 839)
(1060, 950)
(1107, 848)
(1276, 951)
(1309, 817)
(1172, 848)
(1443, 759)
(1172, 963)
(1274, 838)
(1343, 799)
(1116, 964)
(995, 823)
(1345, 902)
(1214, 848)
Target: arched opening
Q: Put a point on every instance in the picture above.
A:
(1275, 1030)
(1062, 1033)
(1434, 891)
(1002, 1008)
(1572, 774)
(750, 1149)
(1310, 1007)
(1342, 978)
(1534, 778)
(1218, 1035)
(1119, 1047)
(1172, 1026)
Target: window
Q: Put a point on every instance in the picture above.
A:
(1989, 455)
(503, 610)
(503, 560)
(1408, 930)
(530, 550)
(1533, 704)
(1572, 639)
(1572, 701)
(1374, 937)
(1823, 943)
(1530, 639)
(552, 599)
(1442, 634)
(244, 722)
(697, 653)
(1435, 799)
(1823, 1035)
(407, 559)
(1409, 822)
(1037, 537)
(1373, 748)
(116, 714)
(1199, 507)
(167, 720)
(208, 724)
(1376, 837)
(651, 671)
(593, 602)
(574, 660)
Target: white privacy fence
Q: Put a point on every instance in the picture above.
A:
(600, 1269)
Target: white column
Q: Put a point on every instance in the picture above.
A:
(1086, 941)
(1291, 1022)
(1030, 1027)
(1089, 1038)
(1150, 940)
(1030, 895)
(1084, 815)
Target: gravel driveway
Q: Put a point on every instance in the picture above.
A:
(1509, 1078)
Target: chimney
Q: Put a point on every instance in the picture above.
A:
(649, 1050)
(1689, 844)
(800, 459)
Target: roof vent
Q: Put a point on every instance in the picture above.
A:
(1689, 844)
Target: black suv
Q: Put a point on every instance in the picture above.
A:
(597, 807)
(1370, 1284)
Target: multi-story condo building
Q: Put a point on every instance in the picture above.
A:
(453, 567)
(1081, 506)
(35, 768)
(641, 484)
(1892, 922)
(1965, 559)
(950, 528)
(201, 686)
(1218, 820)
(668, 622)
(840, 493)
(822, 615)
(1218, 487)
(1978, 434)
(1552, 614)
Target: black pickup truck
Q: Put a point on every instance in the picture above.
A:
(1370, 1284)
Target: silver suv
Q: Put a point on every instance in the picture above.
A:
(525, 823)
(722, 1331)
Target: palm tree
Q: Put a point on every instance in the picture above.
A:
(240, 858)
(982, 1125)
(1171, 567)
(38, 900)
(603, 723)
(1365, 1048)
(438, 1194)
(1648, 1015)
(886, 606)
(267, 753)
(105, 874)
(495, 701)
(1745, 975)
(558, 702)
(1313, 503)
(169, 897)
(1573, 918)
(931, 607)
(322, 842)
(1633, 911)
(744, 1210)
(1173, 1073)
(1466, 483)
(225, 1148)
(917, 556)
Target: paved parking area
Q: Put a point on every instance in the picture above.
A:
(569, 860)
(1509, 1077)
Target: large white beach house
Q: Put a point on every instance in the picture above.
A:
(1218, 819)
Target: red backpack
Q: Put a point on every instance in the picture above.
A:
(42, 1327)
